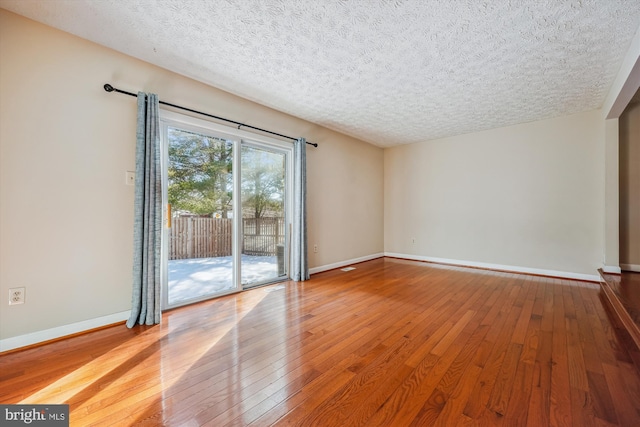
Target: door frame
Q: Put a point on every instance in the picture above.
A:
(287, 151)
(238, 137)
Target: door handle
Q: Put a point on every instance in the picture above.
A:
(168, 215)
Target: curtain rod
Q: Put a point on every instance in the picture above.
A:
(110, 88)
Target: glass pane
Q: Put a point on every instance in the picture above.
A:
(200, 192)
(263, 215)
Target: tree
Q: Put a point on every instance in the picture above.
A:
(262, 182)
(199, 173)
(200, 176)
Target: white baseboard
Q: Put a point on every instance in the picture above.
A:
(74, 328)
(510, 268)
(340, 264)
(611, 269)
(61, 331)
(630, 267)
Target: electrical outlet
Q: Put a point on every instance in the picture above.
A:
(130, 178)
(315, 248)
(16, 296)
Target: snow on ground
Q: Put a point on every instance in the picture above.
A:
(198, 277)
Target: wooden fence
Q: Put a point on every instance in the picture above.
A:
(261, 236)
(193, 237)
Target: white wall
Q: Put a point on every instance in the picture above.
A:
(630, 188)
(65, 144)
(528, 196)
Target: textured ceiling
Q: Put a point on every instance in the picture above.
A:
(387, 72)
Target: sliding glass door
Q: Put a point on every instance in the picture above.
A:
(199, 192)
(263, 189)
(227, 210)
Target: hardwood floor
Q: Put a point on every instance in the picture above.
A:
(392, 343)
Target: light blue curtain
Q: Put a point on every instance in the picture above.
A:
(299, 261)
(145, 301)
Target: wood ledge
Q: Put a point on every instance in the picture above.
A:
(618, 310)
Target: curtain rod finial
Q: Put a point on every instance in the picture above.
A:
(108, 87)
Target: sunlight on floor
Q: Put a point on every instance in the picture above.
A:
(100, 378)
